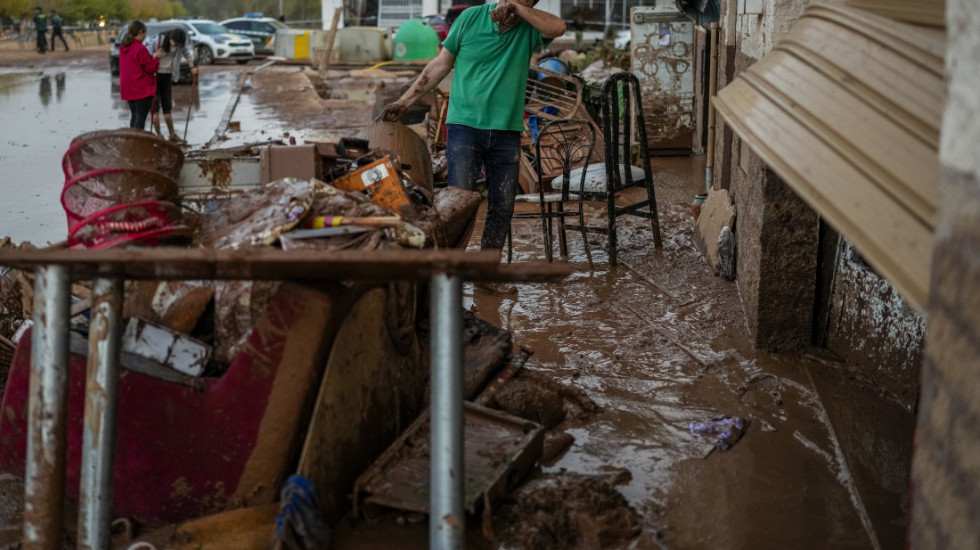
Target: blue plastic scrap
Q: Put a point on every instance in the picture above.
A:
(301, 525)
(724, 431)
(532, 121)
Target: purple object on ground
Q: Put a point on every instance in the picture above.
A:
(725, 431)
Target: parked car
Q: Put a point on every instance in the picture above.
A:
(438, 24)
(261, 30)
(213, 42)
(152, 29)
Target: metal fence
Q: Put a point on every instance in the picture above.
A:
(392, 13)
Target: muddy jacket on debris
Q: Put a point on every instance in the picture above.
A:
(137, 72)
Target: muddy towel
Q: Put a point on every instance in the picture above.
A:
(723, 432)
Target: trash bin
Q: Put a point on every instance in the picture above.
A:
(415, 41)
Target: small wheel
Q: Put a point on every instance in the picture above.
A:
(204, 55)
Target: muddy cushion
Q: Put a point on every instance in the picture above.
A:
(548, 197)
(595, 178)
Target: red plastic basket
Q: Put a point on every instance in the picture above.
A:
(122, 148)
(97, 190)
(142, 222)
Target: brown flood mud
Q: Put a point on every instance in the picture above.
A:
(659, 343)
(625, 359)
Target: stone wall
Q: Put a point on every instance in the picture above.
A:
(722, 173)
(761, 23)
(777, 238)
(777, 234)
(946, 466)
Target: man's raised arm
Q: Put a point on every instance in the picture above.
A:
(431, 76)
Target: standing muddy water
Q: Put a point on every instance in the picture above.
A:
(43, 108)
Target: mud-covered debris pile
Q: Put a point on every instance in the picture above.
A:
(536, 397)
(568, 511)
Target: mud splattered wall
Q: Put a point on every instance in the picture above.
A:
(946, 467)
(873, 329)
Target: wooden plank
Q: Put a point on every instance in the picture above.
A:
(222, 128)
(370, 392)
(331, 36)
(889, 236)
(169, 263)
(407, 146)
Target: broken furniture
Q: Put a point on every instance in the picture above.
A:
(407, 146)
(604, 181)
(500, 449)
(560, 147)
(551, 95)
(47, 432)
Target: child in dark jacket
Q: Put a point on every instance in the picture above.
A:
(137, 74)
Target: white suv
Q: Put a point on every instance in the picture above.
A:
(262, 31)
(213, 42)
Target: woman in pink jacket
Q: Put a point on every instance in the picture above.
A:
(137, 74)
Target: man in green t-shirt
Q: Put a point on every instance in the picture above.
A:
(490, 48)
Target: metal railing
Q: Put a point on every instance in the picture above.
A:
(445, 270)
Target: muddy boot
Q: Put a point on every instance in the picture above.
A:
(170, 128)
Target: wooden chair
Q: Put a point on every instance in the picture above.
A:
(561, 147)
(602, 181)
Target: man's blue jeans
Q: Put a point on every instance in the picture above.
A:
(498, 153)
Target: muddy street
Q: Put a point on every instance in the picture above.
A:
(661, 345)
(665, 427)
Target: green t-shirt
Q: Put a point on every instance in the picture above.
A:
(490, 75)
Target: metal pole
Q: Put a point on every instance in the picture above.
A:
(608, 26)
(712, 88)
(99, 427)
(446, 520)
(44, 483)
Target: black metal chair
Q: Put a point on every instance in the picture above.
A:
(603, 182)
(561, 147)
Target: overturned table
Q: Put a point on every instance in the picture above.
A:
(108, 269)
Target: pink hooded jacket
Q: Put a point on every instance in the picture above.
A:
(137, 72)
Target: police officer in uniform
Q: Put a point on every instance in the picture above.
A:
(41, 26)
(56, 30)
